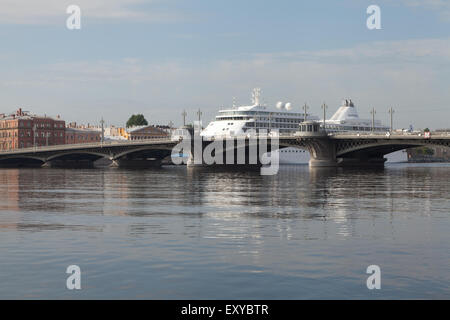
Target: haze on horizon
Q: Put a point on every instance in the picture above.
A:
(160, 57)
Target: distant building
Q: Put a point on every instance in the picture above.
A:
(115, 133)
(112, 131)
(147, 132)
(82, 135)
(23, 130)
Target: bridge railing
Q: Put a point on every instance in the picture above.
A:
(361, 134)
(109, 143)
(86, 145)
(416, 135)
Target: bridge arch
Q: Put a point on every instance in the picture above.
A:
(77, 155)
(152, 151)
(18, 161)
(381, 148)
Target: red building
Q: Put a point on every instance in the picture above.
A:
(82, 135)
(22, 130)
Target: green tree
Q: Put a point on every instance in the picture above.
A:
(137, 120)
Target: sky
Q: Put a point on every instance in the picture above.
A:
(160, 57)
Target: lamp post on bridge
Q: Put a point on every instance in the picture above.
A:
(34, 137)
(102, 122)
(184, 114)
(324, 107)
(391, 113)
(305, 109)
(199, 113)
(270, 121)
(373, 112)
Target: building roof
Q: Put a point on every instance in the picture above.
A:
(82, 130)
(141, 128)
(25, 115)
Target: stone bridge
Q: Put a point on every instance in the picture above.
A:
(142, 153)
(325, 150)
(358, 149)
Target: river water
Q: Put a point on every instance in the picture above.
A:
(192, 233)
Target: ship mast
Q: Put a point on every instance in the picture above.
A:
(256, 94)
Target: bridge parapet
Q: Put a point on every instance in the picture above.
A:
(325, 149)
(151, 149)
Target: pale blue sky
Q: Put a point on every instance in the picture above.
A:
(160, 57)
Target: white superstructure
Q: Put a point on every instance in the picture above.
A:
(238, 121)
(258, 118)
(346, 118)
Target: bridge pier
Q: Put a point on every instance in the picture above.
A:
(321, 149)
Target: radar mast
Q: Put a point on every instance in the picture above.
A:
(256, 94)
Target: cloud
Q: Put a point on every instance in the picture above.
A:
(381, 52)
(411, 75)
(52, 11)
(441, 6)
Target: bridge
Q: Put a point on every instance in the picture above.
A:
(141, 153)
(326, 149)
(355, 149)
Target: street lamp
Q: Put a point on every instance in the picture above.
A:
(34, 136)
(391, 113)
(103, 132)
(184, 114)
(305, 108)
(324, 107)
(373, 112)
(199, 113)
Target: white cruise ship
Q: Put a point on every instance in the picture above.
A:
(239, 121)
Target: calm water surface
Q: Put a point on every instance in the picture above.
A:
(204, 234)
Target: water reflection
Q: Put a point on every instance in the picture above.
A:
(177, 223)
(320, 193)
